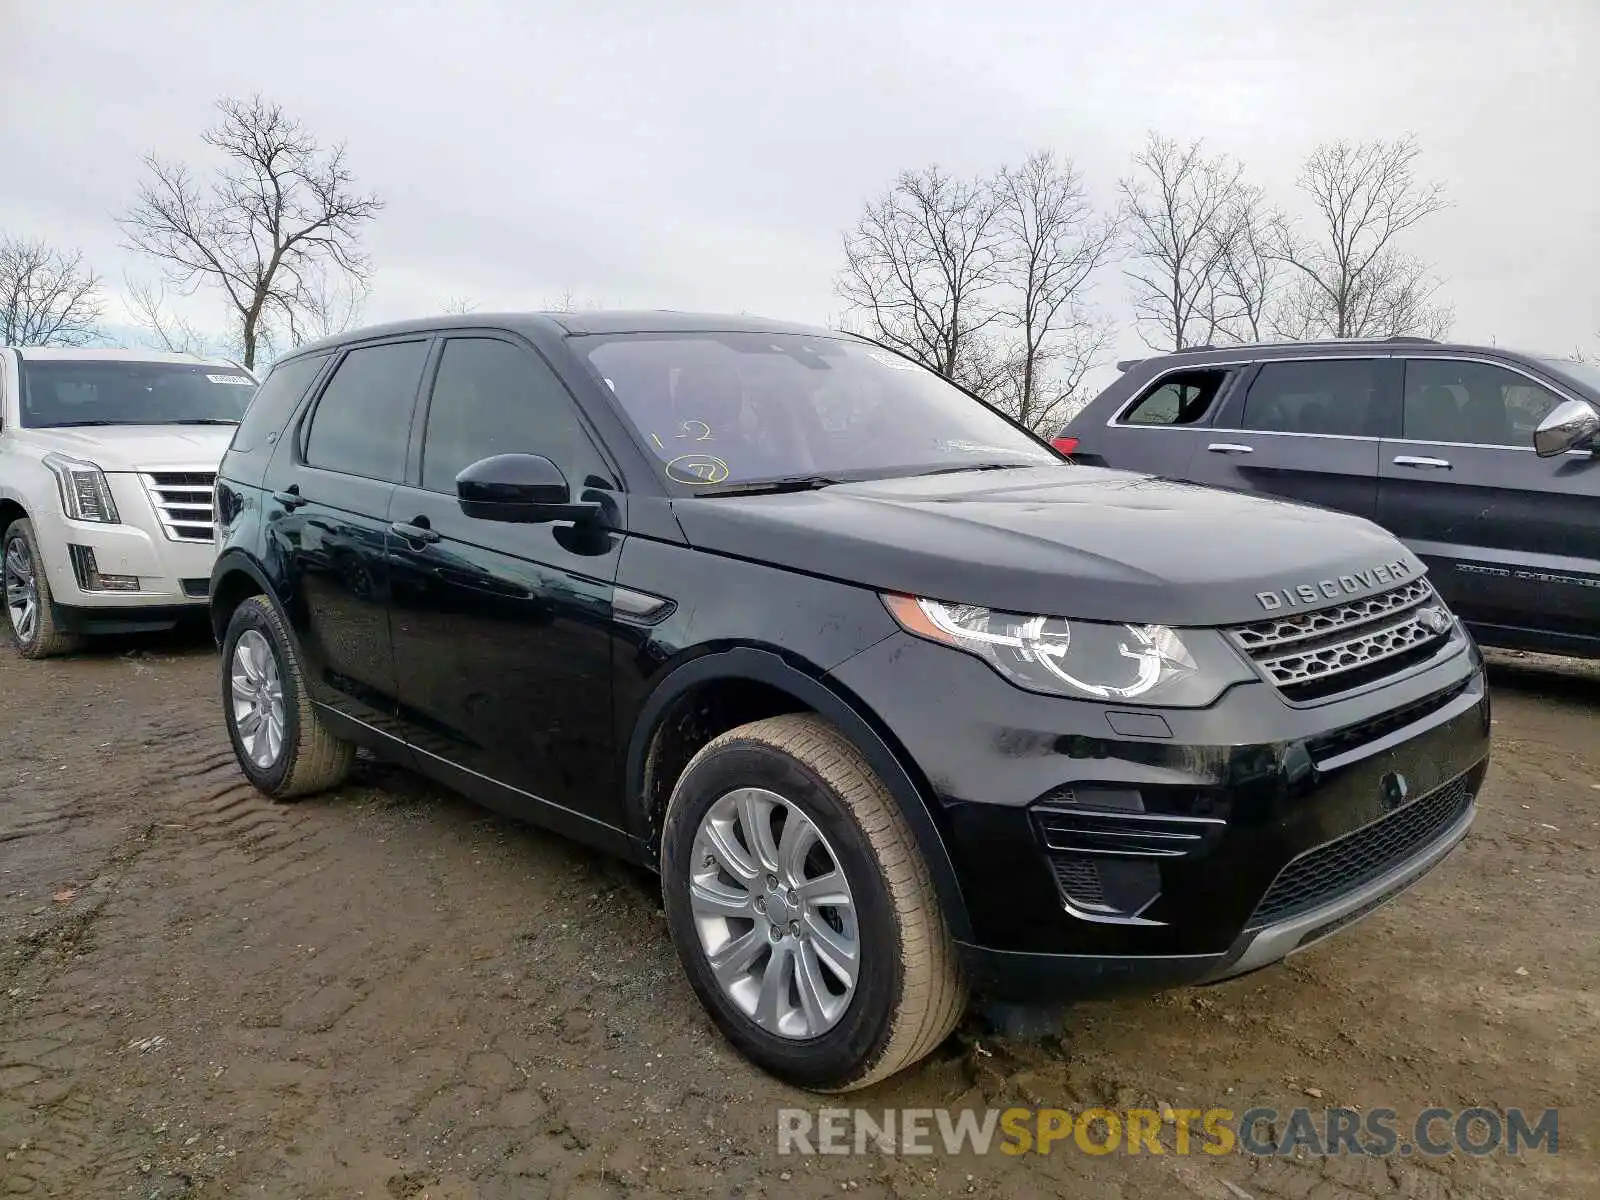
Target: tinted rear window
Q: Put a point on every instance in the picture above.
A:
(280, 391)
(1329, 396)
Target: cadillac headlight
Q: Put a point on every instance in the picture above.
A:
(1150, 664)
(85, 494)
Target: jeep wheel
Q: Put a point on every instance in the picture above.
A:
(802, 909)
(281, 742)
(32, 619)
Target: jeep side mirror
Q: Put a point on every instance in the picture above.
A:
(518, 488)
(1571, 425)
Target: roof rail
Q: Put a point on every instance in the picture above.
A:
(1407, 337)
(1128, 364)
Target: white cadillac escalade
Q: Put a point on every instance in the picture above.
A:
(108, 459)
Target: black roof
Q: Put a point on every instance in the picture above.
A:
(599, 321)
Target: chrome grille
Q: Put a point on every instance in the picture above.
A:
(183, 503)
(1281, 631)
(1316, 653)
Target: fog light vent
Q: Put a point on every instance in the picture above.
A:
(89, 577)
(1112, 888)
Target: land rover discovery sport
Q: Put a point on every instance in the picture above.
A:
(901, 705)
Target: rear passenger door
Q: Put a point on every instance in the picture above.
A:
(502, 631)
(326, 502)
(1512, 540)
(1302, 429)
(1157, 431)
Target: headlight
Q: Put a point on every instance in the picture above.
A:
(85, 494)
(1152, 664)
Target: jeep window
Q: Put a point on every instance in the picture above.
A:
(61, 393)
(1180, 399)
(490, 397)
(280, 391)
(1327, 396)
(1474, 403)
(361, 423)
(748, 407)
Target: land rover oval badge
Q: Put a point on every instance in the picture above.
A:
(1434, 619)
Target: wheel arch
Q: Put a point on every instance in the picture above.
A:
(234, 579)
(11, 511)
(778, 680)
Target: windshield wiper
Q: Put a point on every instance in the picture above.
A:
(788, 483)
(987, 466)
(76, 424)
(201, 421)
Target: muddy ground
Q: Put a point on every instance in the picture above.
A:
(385, 992)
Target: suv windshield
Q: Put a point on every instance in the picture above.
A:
(71, 392)
(734, 408)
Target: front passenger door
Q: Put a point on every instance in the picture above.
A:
(502, 632)
(1304, 430)
(1511, 540)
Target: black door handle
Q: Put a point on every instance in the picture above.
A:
(290, 499)
(416, 532)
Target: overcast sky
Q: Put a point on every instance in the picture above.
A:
(706, 154)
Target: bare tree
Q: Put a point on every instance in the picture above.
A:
(1041, 396)
(1178, 208)
(1250, 270)
(164, 330)
(570, 301)
(278, 217)
(1053, 242)
(332, 305)
(47, 297)
(1349, 277)
(459, 306)
(920, 264)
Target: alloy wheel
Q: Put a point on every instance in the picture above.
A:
(256, 690)
(774, 913)
(21, 590)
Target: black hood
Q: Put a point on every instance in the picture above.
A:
(1062, 541)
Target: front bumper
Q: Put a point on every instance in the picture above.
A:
(1240, 833)
(172, 575)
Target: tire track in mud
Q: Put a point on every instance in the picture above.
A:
(209, 840)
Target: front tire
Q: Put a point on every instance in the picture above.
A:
(30, 612)
(281, 741)
(802, 909)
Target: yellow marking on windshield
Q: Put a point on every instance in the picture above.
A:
(699, 469)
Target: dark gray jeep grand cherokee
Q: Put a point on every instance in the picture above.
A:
(900, 705)
(1482, 460)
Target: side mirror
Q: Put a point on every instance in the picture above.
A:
(519, 488)
(1571, 425)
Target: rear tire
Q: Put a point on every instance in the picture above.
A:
(30, 612)
(282, 744)
(797, 773)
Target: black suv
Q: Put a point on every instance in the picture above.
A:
(1480, 459)
(899, 703)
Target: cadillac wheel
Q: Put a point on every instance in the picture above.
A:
(802, 909)
(30, 611)
(281, 741)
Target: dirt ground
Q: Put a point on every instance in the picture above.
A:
(385, 992)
